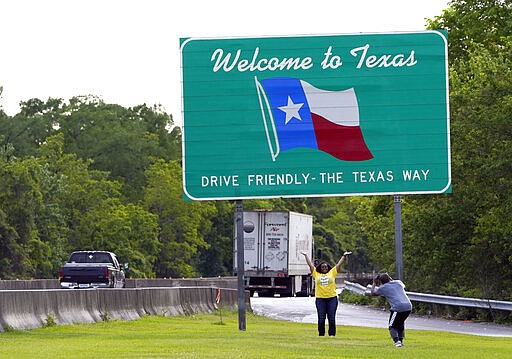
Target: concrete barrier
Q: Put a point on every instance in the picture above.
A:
(223, 282)
(161, 301)
(33, 308)
(121, 303)
(73, 306)
(15, 284)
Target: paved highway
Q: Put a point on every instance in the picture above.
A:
(303, 310)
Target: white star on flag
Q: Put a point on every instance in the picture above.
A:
(291, 110)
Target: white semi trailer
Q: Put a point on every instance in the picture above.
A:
(273, 246)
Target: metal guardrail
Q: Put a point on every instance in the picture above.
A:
(440, 299)
(356, 288)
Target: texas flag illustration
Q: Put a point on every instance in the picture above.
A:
(297, 114)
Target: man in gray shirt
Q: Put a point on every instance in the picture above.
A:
(394, 292)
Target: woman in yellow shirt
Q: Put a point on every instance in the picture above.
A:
(325, 292)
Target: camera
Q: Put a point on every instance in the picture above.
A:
(377, 279)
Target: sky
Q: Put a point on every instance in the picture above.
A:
(127, 51)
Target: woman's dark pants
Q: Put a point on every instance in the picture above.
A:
(326, 307)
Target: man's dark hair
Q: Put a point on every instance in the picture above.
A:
(384, 278)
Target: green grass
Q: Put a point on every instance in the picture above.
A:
(203, 336)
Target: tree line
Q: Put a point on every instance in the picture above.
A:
(83, 174)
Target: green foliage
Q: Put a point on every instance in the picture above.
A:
(217, 258)
(326, 247)
(119, 140)
(183, 225)
(474, 21)
(462, 313)
(467, 236)
(8, 328)
(484, 121)
(50, 321)
(346, 227)
(20, 200)
(347, 296)
(376, 218)
(27, 130)
(55, 203)
(105, 317)
(128, 230)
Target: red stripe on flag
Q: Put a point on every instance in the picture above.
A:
(343, 142)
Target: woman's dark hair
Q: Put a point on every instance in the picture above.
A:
(319, 265)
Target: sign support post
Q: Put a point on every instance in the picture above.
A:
(239, 212)
(398, 236)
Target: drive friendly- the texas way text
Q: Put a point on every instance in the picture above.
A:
(279, 179)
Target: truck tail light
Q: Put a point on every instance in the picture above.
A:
(105, 273)
(61, 273)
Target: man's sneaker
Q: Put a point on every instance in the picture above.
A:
(398, 344)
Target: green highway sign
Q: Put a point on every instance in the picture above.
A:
(325, 115)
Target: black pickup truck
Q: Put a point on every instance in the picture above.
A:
(92, 269)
